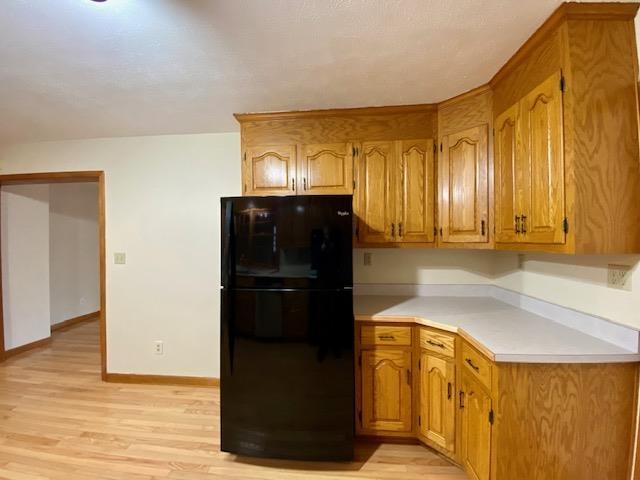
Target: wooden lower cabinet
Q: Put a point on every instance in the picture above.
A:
(386, 391)
(498, 421)
(476, 425)
(437, 421)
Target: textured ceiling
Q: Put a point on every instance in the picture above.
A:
(79, 69)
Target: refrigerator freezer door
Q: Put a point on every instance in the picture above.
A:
(287, 388)
(287, 242)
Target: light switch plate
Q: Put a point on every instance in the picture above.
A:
(119, 258)
(619, 276)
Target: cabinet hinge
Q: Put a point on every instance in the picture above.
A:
(565, 225)
(419, 420)
(441, 147)
(562, 83)
(491, 417)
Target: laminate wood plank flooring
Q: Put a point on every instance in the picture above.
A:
(58, 420)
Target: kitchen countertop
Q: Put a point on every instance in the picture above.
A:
(502, 332)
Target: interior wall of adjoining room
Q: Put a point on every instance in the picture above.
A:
(24, 227)
(74, 271)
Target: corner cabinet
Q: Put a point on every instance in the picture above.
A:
(529, 163)
(464, 187)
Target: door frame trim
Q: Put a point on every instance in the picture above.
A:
(70, 177)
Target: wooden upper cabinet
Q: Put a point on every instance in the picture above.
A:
(269, 170)
(544, 200)
(529, 168)
(416, 196)
(326, 168)
(464, 187)
(376, 200)
(476, 429)
(437, 400)
(507, 176)
(386, 390)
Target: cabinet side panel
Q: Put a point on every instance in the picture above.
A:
(565, 421)
(602, 88)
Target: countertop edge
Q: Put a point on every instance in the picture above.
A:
(630, 357)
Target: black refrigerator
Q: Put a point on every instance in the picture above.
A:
(287, 373)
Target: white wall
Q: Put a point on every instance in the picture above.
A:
(162, 209)
(74, 271)
(25, 263)
(578, 282)
(423, 266)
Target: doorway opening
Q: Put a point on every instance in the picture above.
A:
(67, 226)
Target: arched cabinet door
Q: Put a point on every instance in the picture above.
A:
(542, 140)
(508, 177)
(269, 170)
(437, 400)
(475, 406)
(464, 187)
(326, 168)
(386, 390)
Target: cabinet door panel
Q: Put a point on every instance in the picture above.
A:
(476, 430)
(437, 408)
(326, 169)
(464, 197)
(376, 202)
(508, 176)
(544, 202)
(270, 170)
(416, 191)
(386, 390)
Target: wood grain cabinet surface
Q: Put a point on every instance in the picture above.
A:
(326, 168)
(270, 170)
(545, 157)
(499, 421)
(464, 186)
(386, 390)
(437, 421)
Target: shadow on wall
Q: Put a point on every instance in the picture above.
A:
(424, 266)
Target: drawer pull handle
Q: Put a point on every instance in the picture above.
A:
(435, 344)
(470, 362)
(408, 377)
(387, 337)
(461, 399)
(449, 391)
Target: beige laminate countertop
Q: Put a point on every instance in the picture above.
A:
(503, 332)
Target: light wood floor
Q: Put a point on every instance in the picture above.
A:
(59, 421)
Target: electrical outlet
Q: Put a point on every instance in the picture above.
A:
(120, 258)
(619, 276)
(367, 259)
(158, 347)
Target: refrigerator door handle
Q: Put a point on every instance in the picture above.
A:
(228, 249)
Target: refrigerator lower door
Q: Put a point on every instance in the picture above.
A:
(287, 388)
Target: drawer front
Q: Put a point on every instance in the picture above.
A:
(477, 364)
(385, 335)
(437, 342)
